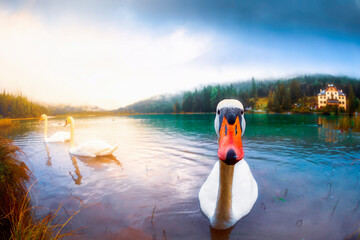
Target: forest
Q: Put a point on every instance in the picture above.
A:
(295, 94)
(280, 95)
(18, 106)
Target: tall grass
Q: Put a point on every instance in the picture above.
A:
(7, 123)
(17, 216)
(14, 175)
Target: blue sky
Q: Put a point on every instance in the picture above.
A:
(112, 53)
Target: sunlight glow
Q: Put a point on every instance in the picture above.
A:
(80, 64)
(71, 60)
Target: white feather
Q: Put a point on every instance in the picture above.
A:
(58, 137)
(93, 148)
(244, 192)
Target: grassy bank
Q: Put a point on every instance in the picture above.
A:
(17, 215)
(8, 123)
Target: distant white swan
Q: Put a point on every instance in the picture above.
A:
(91, 148)
(230, 191)
(58, 136)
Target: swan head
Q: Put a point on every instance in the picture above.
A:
(69, 120)
(43, 117)
(230, 126)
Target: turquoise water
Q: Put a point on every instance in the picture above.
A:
(306, 166)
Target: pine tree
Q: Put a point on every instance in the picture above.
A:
(187, 105)
(351, 100)
(295, 91)
(176, 107)
(286, 101)
(270, 105)
(254, 92)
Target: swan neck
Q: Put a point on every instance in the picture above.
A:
(77, 172)
(72, 130)
(223, 211)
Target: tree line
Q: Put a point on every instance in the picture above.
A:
(281, 95)
(17, 106)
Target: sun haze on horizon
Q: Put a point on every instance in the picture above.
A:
(111, 54)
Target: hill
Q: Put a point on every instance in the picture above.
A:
(275, 95)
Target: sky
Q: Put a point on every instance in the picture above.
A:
(113, 53)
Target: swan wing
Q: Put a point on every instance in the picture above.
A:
(245, 190)
(59, 137)
(107, 151)
(93, 148)
(209, 192)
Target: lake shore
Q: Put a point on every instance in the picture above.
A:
(100, 114)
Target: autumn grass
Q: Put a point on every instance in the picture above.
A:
(17, 216)
(354, 235)
(5, 123)
(261, 103)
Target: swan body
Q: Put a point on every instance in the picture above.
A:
(244, 193)
(56, 137)
(230, 191)
(90, 148)
(93, 148)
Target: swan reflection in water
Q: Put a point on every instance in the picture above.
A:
(48, 160)
(96, 163)
(224, 234)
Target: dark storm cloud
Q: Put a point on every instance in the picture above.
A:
(333, 16)
(323, 16)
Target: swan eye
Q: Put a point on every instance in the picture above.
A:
(242, 112)
(236, 129)
(225, 130)
(218, 111)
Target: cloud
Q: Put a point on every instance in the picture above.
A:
(357, 2)
(81, 64)
(77, 60)
(323, 16)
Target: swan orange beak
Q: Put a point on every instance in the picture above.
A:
(65, 124)
(230, 145)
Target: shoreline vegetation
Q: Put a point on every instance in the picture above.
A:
(18, 215)
(295, 95)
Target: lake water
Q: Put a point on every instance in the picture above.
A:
(307, 169)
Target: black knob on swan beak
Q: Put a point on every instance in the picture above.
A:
(231, 157)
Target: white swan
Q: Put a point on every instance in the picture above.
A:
(91, 148)
(58, 136)
(230, 191)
